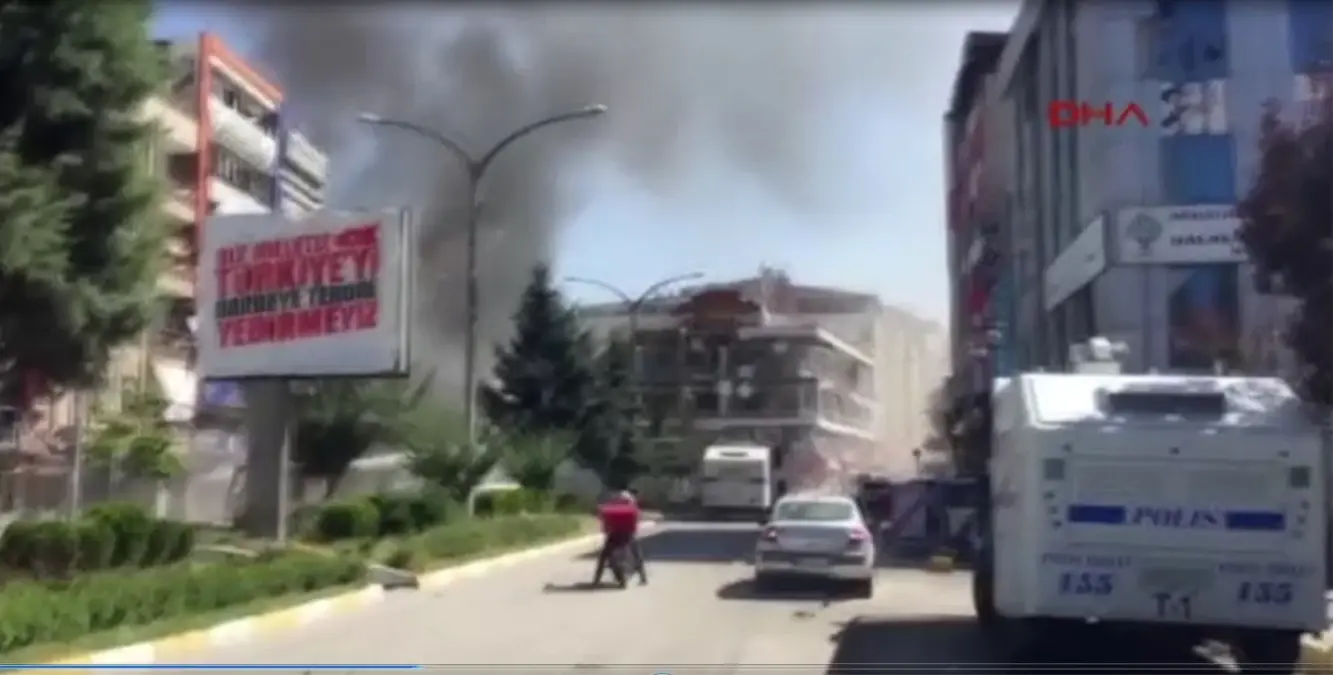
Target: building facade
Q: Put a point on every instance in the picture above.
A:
(221, 148)
(833, 381)
(1133, 227)
(979, 282)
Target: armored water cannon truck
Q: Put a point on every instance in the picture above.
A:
(1193, 505)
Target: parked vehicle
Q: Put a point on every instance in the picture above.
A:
(736, 480)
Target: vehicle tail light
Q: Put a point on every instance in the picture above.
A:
(857, 537)
(770, 534)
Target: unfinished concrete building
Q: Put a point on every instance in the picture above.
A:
(833, 381)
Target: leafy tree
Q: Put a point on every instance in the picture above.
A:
(544, 373)
(1288, 231)
(609, 442)
(533, 461)
(340, 420)
(81, 238)
(439, 453)
(136, 439)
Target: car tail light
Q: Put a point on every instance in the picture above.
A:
(770, 534)
(857, 537)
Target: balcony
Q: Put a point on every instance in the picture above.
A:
(304, 156)
(242, 135)
(233, 200)
(786, 404)
(179, 130)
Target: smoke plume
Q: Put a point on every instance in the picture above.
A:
(746, 87)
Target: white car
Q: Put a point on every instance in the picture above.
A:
(816, 537)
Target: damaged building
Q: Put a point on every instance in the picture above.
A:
(833, 381)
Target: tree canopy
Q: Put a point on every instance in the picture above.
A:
(81, 237)
(609, 443)
(544, 375)
(1288, 231)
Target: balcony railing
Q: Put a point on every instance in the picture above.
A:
(243, 136)
(804, 401)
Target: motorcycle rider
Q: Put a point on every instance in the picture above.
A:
(620, 526)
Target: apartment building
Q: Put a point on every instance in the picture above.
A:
(832, 380)
(1131, 229)
(223, 148)
(978, 348)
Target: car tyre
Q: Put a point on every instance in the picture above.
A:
(763, 583)
(1272, 652)
(863, 588)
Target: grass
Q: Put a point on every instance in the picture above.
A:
(128, 635)
(436, 564)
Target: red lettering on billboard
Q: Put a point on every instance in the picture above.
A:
(297, 288)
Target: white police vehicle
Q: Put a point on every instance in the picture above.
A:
(1194, 504)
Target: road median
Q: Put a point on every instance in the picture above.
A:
(169, 639)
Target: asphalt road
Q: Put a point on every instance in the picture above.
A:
(697, 614)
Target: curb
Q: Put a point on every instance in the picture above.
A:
(230, 633)
(227, 633)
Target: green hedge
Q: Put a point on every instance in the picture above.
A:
(34, 612)
(382, 515)
(109, 536)
(513, 502)
(473, 537)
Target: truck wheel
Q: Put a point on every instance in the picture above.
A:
(983, 591)
(1272, 652)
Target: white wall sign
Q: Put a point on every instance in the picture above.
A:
(1077, 265)
(323, 295)
(1174, 235)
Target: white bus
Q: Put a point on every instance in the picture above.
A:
(736, 480)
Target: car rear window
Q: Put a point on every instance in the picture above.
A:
(813, 511)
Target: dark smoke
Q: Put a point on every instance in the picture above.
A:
(691, 85)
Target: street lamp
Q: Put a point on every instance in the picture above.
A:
(476, 169)
(634, 304)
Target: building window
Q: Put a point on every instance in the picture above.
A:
(237, 172)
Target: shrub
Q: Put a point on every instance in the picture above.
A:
(467, 538)
(352, 519)
(567, 503)
(168, 541)
(16, 545)
(130, 526)
(500, 502)
(536, 501)
(395, 513)
(96, 544)
(55, 548)
(430, 508)
(184, 543)
(33, 612)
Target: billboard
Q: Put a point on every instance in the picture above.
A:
(326, 294)
(1175, 235)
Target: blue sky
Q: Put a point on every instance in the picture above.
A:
(885, 234)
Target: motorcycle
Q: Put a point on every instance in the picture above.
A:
(621, 565)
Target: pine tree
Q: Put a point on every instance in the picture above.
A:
(81, 239)
(609, 443)
(1288, 231)
(545, 376)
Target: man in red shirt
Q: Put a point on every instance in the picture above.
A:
(620, 527)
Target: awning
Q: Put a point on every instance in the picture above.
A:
(180, 387)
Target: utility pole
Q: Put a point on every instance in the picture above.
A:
(476, 170)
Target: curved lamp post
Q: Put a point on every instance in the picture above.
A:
(476, 169)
